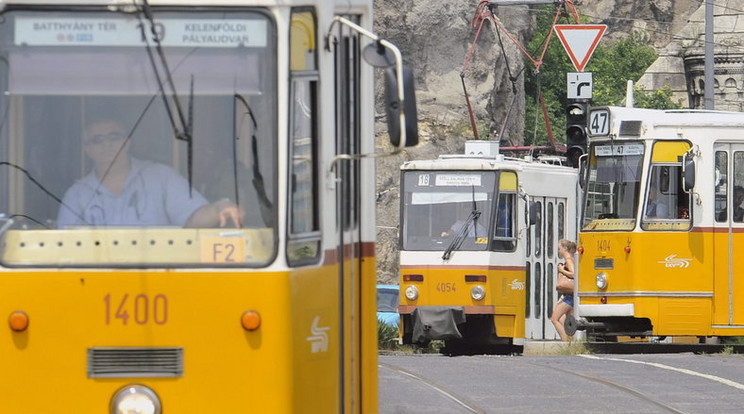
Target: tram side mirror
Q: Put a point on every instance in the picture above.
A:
(688, 173)
(532, 215)
(393, 107)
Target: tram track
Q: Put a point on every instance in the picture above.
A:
(445, 392)
(472, 408)
(628, 390)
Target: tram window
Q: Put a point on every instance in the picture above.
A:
(528, 279)
(667, 205)
(303, 246)
(613, 187)
(721, 186)
(55, 90)
(550, 290)
(550, 230)
(436, 207)
(538, 290)
(528, 234)
(666, 201)
(504, 238)
(538, 230)
(737, 211)
(561, 220)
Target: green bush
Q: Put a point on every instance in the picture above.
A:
(387, 336)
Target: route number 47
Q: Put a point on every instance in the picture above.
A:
(599, 122)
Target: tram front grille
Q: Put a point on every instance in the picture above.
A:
(135, 362)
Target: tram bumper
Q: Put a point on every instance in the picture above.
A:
(608, 320)
(590, 314)
(436, 323)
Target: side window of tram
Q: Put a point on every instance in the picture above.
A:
(303, 245)
(737, 194)
(504, 238)
(538, 230)
(549, 231)
(665, 198)
(721, 186)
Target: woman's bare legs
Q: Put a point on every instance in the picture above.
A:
(559, 312)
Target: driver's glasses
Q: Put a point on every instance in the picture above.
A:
(99, 138)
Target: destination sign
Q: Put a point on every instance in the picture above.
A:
(127, 31)
(618, 149)
(457, 180)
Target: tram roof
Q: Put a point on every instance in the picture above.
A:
(622, 119)
(469, 162)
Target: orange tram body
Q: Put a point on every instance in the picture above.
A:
(663, 226)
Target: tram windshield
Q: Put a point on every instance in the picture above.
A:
(131, 139)
(439, 204)
(613, 185)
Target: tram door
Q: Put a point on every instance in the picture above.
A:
(542, 261)
(728, 285)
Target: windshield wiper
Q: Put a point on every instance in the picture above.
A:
(462, 232)
(183, 129)
(42, 188)
(267, 206)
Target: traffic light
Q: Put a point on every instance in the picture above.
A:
(576, 113)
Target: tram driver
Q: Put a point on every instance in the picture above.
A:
(656, 207)
(122, 190)
(475, 228)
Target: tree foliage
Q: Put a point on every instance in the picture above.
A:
(611, 65)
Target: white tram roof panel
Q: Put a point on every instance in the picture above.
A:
(650, 123)
(469, 162)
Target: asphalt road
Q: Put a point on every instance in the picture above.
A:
(655, 383)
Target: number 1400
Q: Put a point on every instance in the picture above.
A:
(141, 309)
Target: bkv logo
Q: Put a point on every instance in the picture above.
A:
(319, 338)
(516, 285)
(673, 261)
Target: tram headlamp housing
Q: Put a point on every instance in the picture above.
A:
(477, 292)
(135, 399)
(601, 280)
(412, 293)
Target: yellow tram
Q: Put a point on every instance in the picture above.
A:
(662, 224)
(478, 247)
(186, 209)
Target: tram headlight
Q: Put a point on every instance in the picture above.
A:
(411, 293)
(135, 399)
(602, 280)
(477, 292)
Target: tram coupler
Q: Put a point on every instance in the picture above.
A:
(571, 325)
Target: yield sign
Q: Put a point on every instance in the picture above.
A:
(580, 40)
